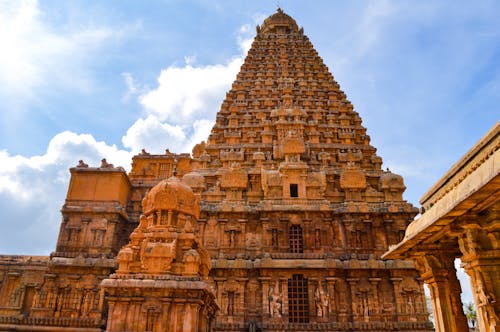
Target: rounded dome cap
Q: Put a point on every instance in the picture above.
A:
(279, 19)
(389, 180)
(171, 194)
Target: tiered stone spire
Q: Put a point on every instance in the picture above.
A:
(286, 112)
(295, 212)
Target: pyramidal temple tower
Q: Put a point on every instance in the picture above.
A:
(296, 209)
(276, 223)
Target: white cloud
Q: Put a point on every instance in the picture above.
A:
(179, 114)
(35, 54)
(192, 92)
(154, 136)
(187, 93)
(64, 150)
(181, 109)
(32, 189)
(132, 88)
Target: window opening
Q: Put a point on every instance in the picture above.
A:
(296, 240)
(298, 299)
(294, 190)
(164, 170)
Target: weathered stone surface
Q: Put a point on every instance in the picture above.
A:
(295, 213)
(160, 284)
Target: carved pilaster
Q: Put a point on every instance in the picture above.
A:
(219, 285)
(439, 273)
(265, 290)
(352, 285)
(375, 298)
(481, 254)
(284, 292)
(330, 281)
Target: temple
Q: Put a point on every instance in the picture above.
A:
(461, 219)
(278, 222)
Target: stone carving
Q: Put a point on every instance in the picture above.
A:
(105, 164)
(287, 150)
(486, 306)
(199, 149)
(392, 185)
(236, 178)
(322, 301)
(165, 244)
(81, 163)
(275, 301)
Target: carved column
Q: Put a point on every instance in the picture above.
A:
(265, 291)
(241, 300)
(480, 246)
(330, 281)
(219, 284)
(313, 284)
(397, 295)
(376, 304)
(223, 243)
(352, 285)
(306, 234)
(284, 292)
(439, 273)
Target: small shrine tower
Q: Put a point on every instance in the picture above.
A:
(160, 284)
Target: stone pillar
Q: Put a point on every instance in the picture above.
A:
(223, 243)
(219, 284)
(265, 291)
(306, 235)
(438, 271)
(352, 285)
(313, 284)
(375, 299)
(284, 292)
(330, 281)
(480, 247)
(396, 282)
(241, 300)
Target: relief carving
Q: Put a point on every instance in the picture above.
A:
(275, 301)
(322, 301)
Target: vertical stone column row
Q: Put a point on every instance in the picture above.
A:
(438, 271)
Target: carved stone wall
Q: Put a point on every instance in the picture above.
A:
(295, 213)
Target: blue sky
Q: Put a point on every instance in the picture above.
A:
(93, 79)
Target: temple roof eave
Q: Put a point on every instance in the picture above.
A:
(477, 192)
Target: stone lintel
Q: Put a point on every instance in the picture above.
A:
(157, 284)
(308, 263)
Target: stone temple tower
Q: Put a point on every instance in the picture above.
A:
(160, 284)
(294, 214)
(296, 210)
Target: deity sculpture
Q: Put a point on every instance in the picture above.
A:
(274, 301)
(321, 299)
